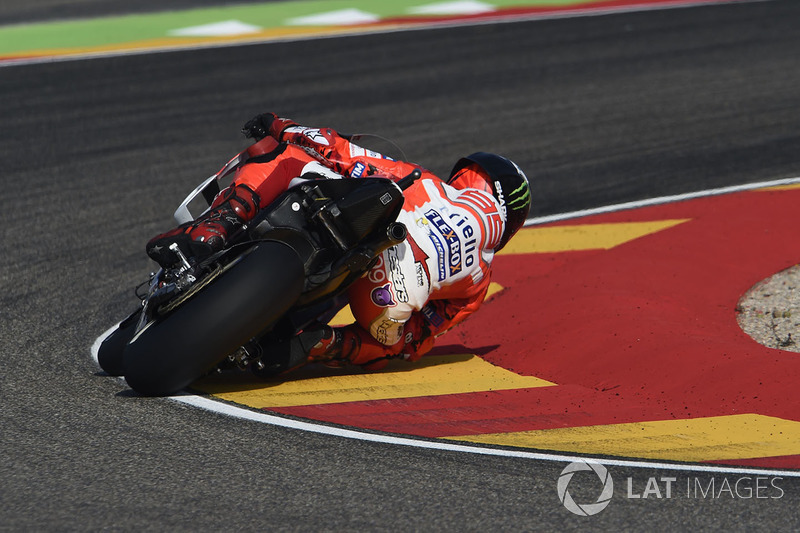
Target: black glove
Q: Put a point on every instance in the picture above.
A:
(258, 127)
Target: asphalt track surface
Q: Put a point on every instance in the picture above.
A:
(95, 155)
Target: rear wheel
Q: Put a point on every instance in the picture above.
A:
(171, 352)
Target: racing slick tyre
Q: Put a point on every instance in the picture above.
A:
(109, 355)
(172, 351)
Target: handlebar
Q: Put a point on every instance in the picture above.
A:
(406, 182)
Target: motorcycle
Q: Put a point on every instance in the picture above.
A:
(287, 268)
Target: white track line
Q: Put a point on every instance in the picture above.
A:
(226, 409)
(661, 200)
(421, 26)
(442, 445)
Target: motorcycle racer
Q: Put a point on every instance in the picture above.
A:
(417, 289)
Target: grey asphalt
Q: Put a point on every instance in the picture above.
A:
(96, 154)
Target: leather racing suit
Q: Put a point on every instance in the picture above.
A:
(417, 289)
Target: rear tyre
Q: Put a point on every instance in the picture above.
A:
(171, 352)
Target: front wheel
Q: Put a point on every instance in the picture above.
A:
(171, 352)
(110, 353)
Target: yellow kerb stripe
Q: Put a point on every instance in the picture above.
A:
(430, 376)
(790, 187)
(742, 436)
(582, 236)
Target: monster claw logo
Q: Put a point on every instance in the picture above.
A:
(520, 197)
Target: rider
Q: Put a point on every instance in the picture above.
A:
(417, 289)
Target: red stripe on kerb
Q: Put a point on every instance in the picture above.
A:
(645, 331)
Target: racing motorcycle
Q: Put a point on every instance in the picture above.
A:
(287, 268)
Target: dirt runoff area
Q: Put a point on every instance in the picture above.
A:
(770, 311)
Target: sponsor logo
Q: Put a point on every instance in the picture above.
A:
(358, 170)
(382, 296)
(396, 275)
(432, 316)
(314, 134)
(360, 151)
(376, 155)
(470, 241)
(356, 150)
(452, 240)
(500, 198)
(437, 245)
(520, 197)
(387, 331)
(421, 263)
(422, 274)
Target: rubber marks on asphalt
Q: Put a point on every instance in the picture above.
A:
(614, 336)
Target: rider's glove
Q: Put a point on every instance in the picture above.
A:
(265, 124)
(258, 127)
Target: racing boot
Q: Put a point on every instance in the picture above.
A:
(328, 348)
(209, 233)
(277, 357)
(349, 345)
(334, 347)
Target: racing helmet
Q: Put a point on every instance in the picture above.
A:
(506, 182)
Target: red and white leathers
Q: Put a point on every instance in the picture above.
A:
(419, 288)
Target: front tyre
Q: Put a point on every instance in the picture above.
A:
(110, 353)
(173, 351)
